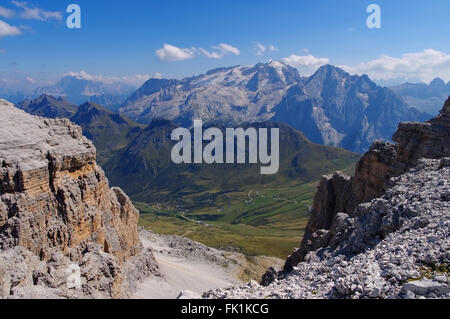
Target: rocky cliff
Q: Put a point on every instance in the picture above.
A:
(338, 193)
(57, 213)
(384, 233)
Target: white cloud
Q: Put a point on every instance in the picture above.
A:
(305, 61)
(137, 79)
(8, 30)
(6, 13)
(222, 50)
(170, 53)
(425, 65)
(30, 80)
(26, 28)
(211, 55)
(259, 48)
(36, 13)
(226, 48)
(307, 64)
(158, 75)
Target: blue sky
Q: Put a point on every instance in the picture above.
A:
(128, 38)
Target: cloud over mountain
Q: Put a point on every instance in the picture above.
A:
(171, 53)
(226, 48)
(305, 60)
(426, 65)
(136, 79)
(260, 48)
(308, 64)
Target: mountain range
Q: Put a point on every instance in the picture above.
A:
(109, 130)
(80, 89)
(137, 157)
(247, 210)
(330, 107)
(425, 97)
(232, 94)
(145, 170)
(48, 106)
(333, 107)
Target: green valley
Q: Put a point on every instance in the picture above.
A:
(259, 222)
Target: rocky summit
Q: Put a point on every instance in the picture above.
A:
(64, 233)
(330, 107)
(383, 233)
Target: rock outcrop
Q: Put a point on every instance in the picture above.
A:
(384, 233)
(396, 246)
(57, 214)
(339, 193)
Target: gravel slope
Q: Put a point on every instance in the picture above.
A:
(397, 246)
(184, 265)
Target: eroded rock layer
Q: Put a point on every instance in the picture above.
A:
(56, 207)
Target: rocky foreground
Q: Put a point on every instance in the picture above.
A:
(64, 233)
(383, 233)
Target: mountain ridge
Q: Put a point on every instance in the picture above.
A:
(425, 97)
(138, 159)
(109, 130)
(80, 89)
(275, 91)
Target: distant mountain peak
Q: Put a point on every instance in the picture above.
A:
(437, 83)
(277, 63)
(48, 106)
(79, 89)
(424, 97)
(94, 106)
(329, 69)
(332, 106)
(222, 69)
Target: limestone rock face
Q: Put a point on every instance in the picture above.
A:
(56, 201)
(424, 140)
(341, 194)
